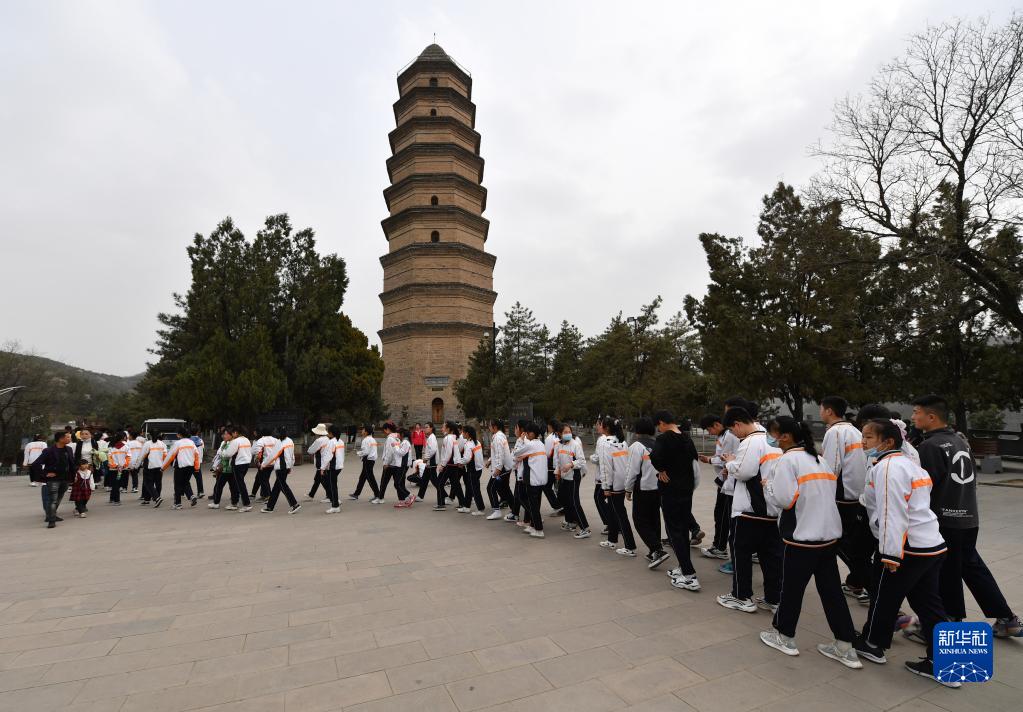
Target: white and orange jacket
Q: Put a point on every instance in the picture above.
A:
(318, 453)
(119, 458)
(262, 446)
(472, 453)
(239, 451)
(368, 449)
(843, 451)
(334, 455)
(533, 460)
(570, 459)
(152, 454)
(640, 468)
(391, 445)
(448, 450)
(183, 453)
(751, 470)
(614, 465)
(135, 450)
(501, 460)
(803, 486)
(32, 452)
(281, 456)
(898, 502)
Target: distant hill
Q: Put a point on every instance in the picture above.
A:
(88, 382)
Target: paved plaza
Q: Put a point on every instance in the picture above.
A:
(375, 609)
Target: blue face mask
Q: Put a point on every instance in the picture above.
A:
(772, 441)
(567, 437)
(871, 454)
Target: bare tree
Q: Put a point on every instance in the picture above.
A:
(30, 407)
(944, 122)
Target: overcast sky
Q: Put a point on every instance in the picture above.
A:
(613, 135)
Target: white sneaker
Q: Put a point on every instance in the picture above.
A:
(536, 534)
(689, 583)
(231, 508)
(496, 514)
(450, 500)
(476, 513)
(844, 653)
(334, 510)
(783, 643)
(245, 509)
(463, 510)
(609, 544)
(376, 500)
(418, 498)
(212, 505)
(675, 572)
(626, 552)
(325, 500)
(582, 534)
(528, 529)
(737, 604)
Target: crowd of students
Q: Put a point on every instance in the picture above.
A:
(900, 511)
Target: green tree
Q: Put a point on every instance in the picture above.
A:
(261, 328)
(781, 320)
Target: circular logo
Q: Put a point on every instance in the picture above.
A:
(960, 462)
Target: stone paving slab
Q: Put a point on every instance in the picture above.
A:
(377, 609)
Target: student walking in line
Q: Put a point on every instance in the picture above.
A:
(135, 443)
(447, 468)
(614, 464)
(598, 457)
(898, 501)
(533, 458)
(368, 454)
(501, 464)
(755, 520)
(804, 488)
(570, 467)
(388, 455)
(31, 453)
(843, 451)
(471, 458)
(316, 449)
(642, 488)
(402, 458)
(724, 444)
(239, 453)
(281, 460)
(429, 463)
(550, 491)
(265, 442)
(200, 447)
(675, 459)
(119, 462)
(183, 455)
(333, 462)
(153, 453)
(521, 492)
(948, 461)
(223, 470)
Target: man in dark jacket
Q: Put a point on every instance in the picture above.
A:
(948, 461)
(54, 469)
(674, 456)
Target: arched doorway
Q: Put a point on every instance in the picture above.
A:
(438, 411)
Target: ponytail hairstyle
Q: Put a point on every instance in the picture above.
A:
(470, 433)
(613, 426)
(800, 432)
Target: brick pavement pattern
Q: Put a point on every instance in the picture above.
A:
(376, 609)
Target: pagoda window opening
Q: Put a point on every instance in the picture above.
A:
(434, 236)
(433, 200)
(433, 81)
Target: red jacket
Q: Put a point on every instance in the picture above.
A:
(418, 437)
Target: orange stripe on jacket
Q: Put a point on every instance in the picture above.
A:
(816, 476)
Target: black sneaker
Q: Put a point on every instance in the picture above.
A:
(195, 501)
(659, 558)
(51, 524)
(294, 509)
(158, 502)
(871, 652)
(202, 496)
(924, 667)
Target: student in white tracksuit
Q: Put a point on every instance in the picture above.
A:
(803, 487)
(533, 459)
(388, 453)
(843, 451)
(320, 454)
(520, 495)
(429, 463)
(281, 459)
(368, 453)
(725, 445)
(333, 462)
(614, 462)
(754, 519)
(599, 450)
(897, 498)
(501, 465)
(32, 452)
(239, 451)
(471, 458)
(570, 467)
(641, 488)
(261, 482)
(153, 451)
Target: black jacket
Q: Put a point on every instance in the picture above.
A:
(673, 453)
(55, 459)
(949, 462)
